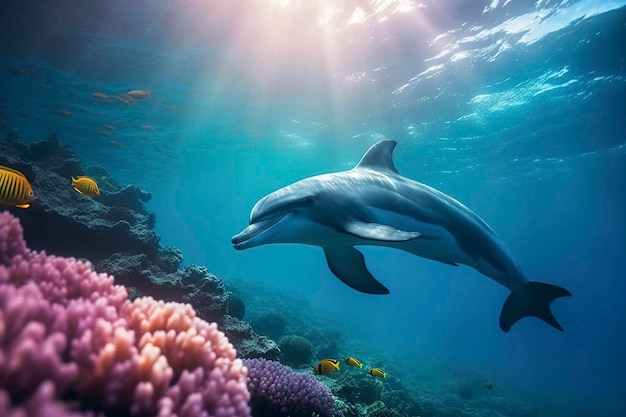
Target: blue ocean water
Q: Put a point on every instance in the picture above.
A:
(514, 108)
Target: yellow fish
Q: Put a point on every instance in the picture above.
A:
(353, 362)
(378, 372)
(326, 367)
(488, 385)
(15, 190)
(86, 186)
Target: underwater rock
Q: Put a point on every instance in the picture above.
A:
(345, 409)
(204, 291)
(47, 155)
(248, 343)
(89, 229)
(131, 197)
(329, 350)
(465, 391)
(365, 390)
(169, 259)
(379, 409)
(270, 324)
(402, 401)
(236, 306)
(194, 284)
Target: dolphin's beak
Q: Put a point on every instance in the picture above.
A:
(245, 238)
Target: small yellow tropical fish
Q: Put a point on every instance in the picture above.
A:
(86, 186)
(353, 362)
(326, 367)
(488, 385)
(15, 190)
(377, 372)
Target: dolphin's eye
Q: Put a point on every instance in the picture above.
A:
(309, 200)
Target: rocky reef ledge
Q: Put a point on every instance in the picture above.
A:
(117, 234)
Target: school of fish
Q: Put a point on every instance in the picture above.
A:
(328, 366)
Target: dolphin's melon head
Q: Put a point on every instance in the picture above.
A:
(279, 217)
(281, 202)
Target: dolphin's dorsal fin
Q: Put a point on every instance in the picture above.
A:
(379, 156)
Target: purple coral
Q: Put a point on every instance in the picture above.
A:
(276, 387)
(68, 332)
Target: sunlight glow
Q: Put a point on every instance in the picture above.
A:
(393, 6)
(283, 3)
(382, 10)
(358, 16)
(328, 14)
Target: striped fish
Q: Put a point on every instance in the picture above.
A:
(86, 186)
(377, 372)
(15, 190)
(353, 362)
(326, 366)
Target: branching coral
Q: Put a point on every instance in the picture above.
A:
(68, 332)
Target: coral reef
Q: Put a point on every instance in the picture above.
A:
(363, 389)
(60, 211)
(248, 343)
(194, 284)
(115, 232)
(69, 333)
(379, 409)
(277, 390)
(236, 306)
(295, 350)
(271, 324)
(328, 350)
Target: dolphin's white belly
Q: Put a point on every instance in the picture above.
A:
(436, 242)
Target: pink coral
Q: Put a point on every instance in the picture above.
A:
(67, 332)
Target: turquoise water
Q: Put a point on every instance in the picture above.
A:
(515, 109)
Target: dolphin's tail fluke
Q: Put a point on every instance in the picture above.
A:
(535, 302)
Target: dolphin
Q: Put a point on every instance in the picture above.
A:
(372, 204)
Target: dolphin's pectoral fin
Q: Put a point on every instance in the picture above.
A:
(348, 264)
(377, 231)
